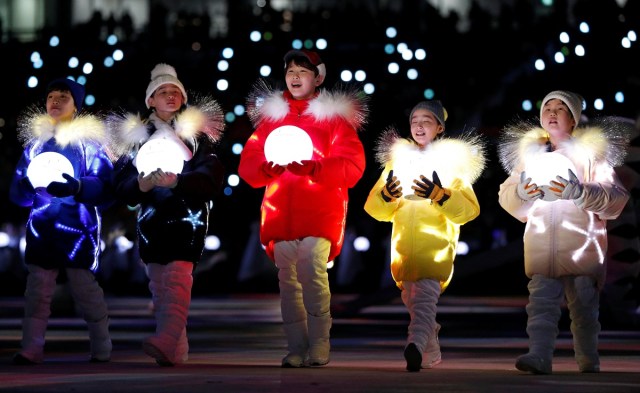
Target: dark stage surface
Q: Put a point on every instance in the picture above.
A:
(237, 343)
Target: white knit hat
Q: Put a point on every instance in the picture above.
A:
(160, 75)
(572, 100)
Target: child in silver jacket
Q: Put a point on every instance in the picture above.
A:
(563, 186)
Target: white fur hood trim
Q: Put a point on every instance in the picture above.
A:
(461, 157)
(41, 127)
(205, 118)
(602, 142)
(268, 104)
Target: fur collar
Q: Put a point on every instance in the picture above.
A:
(461, 157)
(604, 141)
(203, 118)
(38, 126)
(266, 103)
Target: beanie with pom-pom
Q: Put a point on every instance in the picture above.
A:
(163, 74)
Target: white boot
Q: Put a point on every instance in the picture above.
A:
(32, 352)
(543, 311)
(297, 344)
(89, 297)
(319, 344)
(584, 306)
(173, 310)
(100, 340)
(432, 355)
(41, 284)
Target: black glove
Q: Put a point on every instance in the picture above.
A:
(392, 189)
(431, 189)
(60, 189)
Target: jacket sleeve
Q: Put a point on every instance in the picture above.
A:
(462, 206)
(377, 207)
(251, 160)
(96, 187)
(604, 195)
(205, 175)
(509, 199)
(21, 192)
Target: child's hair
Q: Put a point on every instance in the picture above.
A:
(307, 59)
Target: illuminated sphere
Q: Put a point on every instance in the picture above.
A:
(545, 168)
(166, 154)
(287, 144)
(47, 167)
(410, 167)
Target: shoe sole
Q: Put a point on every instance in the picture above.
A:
(413, 357)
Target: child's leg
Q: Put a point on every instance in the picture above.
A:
(312, 274)
(171, 292)
(41, 284)
(421, 299)
(583, 301)
(294, 316)
(89, 297)
(543, 311)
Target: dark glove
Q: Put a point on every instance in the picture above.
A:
(391, 190)
(25, 183)
(60, 189)
(302, 168)
(272, 169)
(425, 188)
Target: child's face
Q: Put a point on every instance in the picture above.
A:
(424, 126)
(301, 82)
(60, 105)
(556, 117)
(167, 99)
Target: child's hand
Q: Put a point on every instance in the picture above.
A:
(145, 183)
(391, 190)
(302, 168)
(64, 189)
(526, 190)
(272, 169)
(425, 188)
(567, 189)
(164, 179)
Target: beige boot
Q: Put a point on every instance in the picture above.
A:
(319, 344)
(32, 352)
(297, 344)
(432, 355)
(100, 340)
(172, 313)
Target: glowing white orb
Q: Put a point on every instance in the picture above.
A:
(166, 154)
(47, 167)
(410, 167)
(545, 168)
(287, 144)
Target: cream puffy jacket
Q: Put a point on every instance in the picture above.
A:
(565, 237)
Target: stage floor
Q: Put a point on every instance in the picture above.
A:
(237, 344)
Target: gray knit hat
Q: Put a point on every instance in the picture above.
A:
(572, 100)
(433, 106)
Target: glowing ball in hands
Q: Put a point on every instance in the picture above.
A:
(287, 144)
(545, 167)
(409, 167)
(166, 154)
(47, 167)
